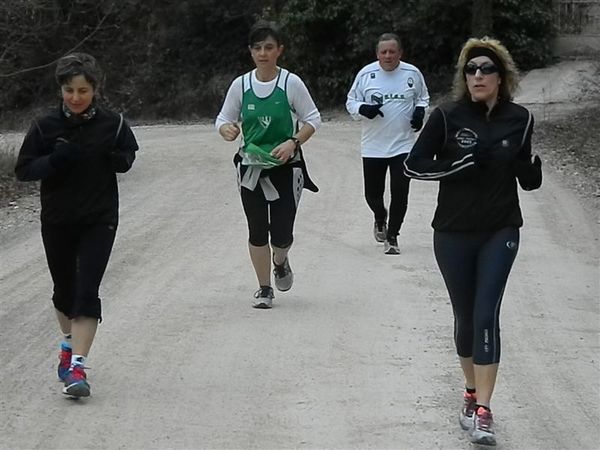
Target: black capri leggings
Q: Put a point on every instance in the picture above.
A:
(275, 217)
(475, 267)
(77, 257)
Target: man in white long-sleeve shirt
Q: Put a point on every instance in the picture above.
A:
(390, 97)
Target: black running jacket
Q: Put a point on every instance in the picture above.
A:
(86, 193)
(474, 157)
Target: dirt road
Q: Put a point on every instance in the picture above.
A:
(359, 354)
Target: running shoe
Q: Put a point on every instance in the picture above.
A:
(64, 362)
(467, 411)
(284, 277)
(483, 427)
(76, 384)
(263, 298)
(390, 246)
(379, 231)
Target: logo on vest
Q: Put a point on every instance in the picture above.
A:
(410, 82)
(250, 106)
(265, 121)
(466, 138)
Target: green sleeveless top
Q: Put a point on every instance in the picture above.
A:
(266, 122)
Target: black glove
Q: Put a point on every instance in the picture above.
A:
(370, 111)
(522, 167)
(120, 161)
(482, 158)
(528, 172)
(64, 155)
(417, 119)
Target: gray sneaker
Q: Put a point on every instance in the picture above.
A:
(284, 277)
(379, 231)
(467, 411)
(390, 246)
(263, 298)
(483, 428)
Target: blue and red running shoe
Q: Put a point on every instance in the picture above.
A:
(76, 384)
(64, 362)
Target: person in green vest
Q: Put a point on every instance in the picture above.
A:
(274, 113)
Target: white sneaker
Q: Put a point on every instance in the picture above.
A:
(263, 298)
(284, 277)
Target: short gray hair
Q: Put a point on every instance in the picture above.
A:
(389, 37)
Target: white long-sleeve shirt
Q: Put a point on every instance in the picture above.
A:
(303, 107)
(400, 91)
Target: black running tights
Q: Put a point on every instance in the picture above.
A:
(475, 268)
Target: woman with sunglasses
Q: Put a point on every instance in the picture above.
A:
(478, 147)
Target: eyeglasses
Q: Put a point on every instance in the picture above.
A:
(486, 69)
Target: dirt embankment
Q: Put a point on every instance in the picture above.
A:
(565, 100)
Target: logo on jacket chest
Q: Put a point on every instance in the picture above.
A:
(466, 138)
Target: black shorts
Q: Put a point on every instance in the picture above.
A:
(275, 218)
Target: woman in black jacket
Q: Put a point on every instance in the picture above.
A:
(75, 151)
(478, 147)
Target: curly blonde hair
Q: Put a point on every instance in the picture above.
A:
(509, 74)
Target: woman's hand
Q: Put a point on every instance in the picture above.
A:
(65, 155)
(284, 151)
(229, 131)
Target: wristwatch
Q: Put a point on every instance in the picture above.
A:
(296, 141)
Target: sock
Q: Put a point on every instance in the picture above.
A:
(278, 263)
(469, 390)
(77, 360)
(477, 406)
(66, 342)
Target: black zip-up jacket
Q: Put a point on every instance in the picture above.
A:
(86, 192)
(457, 138)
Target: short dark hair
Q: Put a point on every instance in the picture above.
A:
(389, 37)
(262, 30)
(75, 64)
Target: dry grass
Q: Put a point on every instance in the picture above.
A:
(10, 188)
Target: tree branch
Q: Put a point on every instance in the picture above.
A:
(94, 31)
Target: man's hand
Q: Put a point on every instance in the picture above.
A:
(417, 119)
(370, 111)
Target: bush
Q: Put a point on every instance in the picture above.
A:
(176, 59)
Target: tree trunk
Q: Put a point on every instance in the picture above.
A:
(482, 22)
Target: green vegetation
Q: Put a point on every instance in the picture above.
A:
(175, 59)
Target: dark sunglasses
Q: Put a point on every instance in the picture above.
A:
(486, 69)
